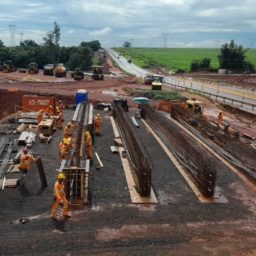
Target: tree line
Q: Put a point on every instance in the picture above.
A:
(50, 52)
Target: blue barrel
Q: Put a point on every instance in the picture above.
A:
(81, 96)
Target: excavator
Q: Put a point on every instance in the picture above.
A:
(32, 68)
(97, 72)
(8, 66)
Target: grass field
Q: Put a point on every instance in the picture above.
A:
(175, 58)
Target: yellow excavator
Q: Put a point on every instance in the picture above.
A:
(97, 72)
(8, 66)
(32, 68)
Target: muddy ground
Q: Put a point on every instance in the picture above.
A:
(178, 225)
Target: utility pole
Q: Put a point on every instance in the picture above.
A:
(12, 28)
(165, 36)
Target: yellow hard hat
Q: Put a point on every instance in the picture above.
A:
(50, 106)
(87, 133)
(98, 114)
(61, 176)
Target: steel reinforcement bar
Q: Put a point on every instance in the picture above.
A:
(194, 158)
(137, 155)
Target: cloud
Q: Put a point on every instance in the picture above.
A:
(145, 21)
(101, 32)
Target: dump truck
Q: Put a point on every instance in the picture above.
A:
(97, 72)
(148, 79)
(48, 70)
(60, 70)
(8, 66)
(78, 74)
(32, 68)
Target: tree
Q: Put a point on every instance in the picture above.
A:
(94, 45)
(202, 64)
(232, 56)
(127, 44)
(29, 42)
(1, 43)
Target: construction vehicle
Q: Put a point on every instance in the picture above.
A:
(60, 70)
(195, 106)
(97, 72)
(32, 68)
(157, 84)
(8, 66)
(148, 79)
(48, 70)
(78, 74)
(129, 60)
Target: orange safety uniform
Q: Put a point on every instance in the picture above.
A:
(68, 131)
(88, 146)
(97, 125)
(40, 116)
(60, 120)
(220, 119)
(63, 150)
(60, 106)
(25, 162)
(59, 197)
(49, 111)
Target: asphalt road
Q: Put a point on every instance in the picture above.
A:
(241, 98)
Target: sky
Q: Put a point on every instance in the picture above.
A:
(145, 23)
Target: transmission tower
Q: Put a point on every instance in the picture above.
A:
(165, 36)
(12, 28)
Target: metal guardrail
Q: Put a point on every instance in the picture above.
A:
(252, 105)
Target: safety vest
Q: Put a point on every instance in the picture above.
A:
(25, 162)
(59, 190)
(88, 140)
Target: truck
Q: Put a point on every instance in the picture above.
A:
(8, 66)
(60, 70)
(49, 69)
(78, 74)
(157, 82)
(32, 68)
(97, 72)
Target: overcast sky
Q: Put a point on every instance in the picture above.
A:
(184, 23)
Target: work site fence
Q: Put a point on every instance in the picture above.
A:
(192, 156)
(217, 96)
(138, 159)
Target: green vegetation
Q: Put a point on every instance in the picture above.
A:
(175, 59)
(50, 52)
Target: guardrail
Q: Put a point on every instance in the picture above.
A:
(243, 103)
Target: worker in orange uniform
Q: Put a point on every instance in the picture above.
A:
(49, 111)
(98, 124)
(220, 118)
(60, 106)
(59, 197)
(63, 146)
(59, 119)
(68, 130)
(25, 163)
(88, 145)
(40, 114)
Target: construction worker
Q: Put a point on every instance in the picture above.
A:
(25, 162)
(63, 147)
(40, 114)
(220, 118)
(60, 106)
(59, 119)
(97, 124)
(88, 145)
(49, 111)
(59, 197)
(68, 130)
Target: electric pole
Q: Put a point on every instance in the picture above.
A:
(165, 36)
(12, 28)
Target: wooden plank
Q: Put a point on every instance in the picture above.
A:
(114, 149)
(115, 129)
(216, 199)
(9, 183)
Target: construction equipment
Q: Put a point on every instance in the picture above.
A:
(8, 66)
(32, 68)
(1, 66)
(49, 69)
(78, 74)
(129, 60)
(195, 106)
(148, 79)
(97, 72)
(60, 70)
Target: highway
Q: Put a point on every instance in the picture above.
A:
(244, 99)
